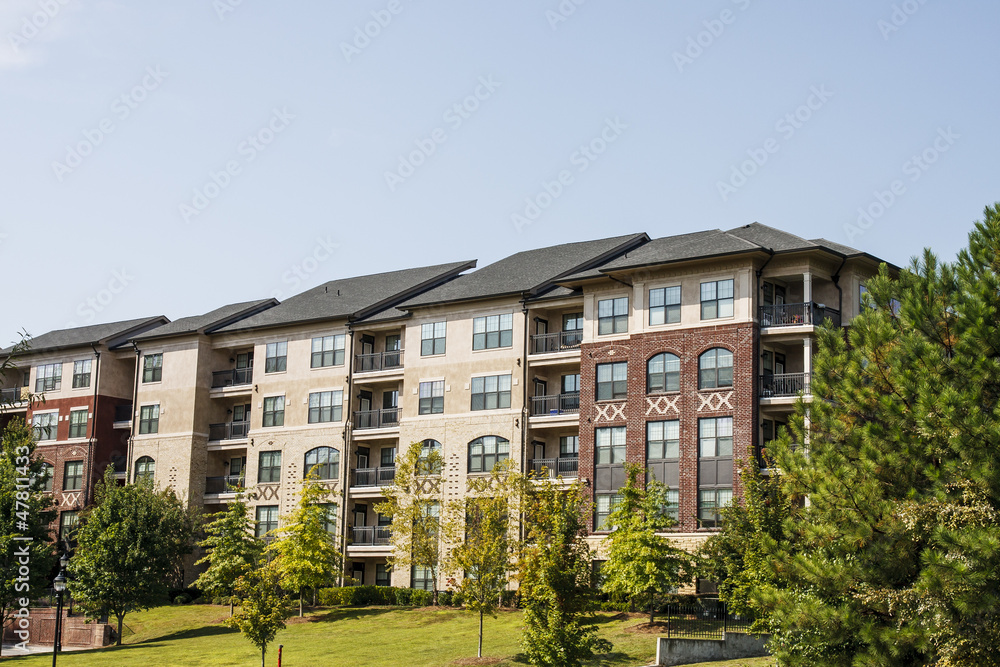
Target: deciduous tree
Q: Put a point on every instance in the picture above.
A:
(231, 550)
(263, 607)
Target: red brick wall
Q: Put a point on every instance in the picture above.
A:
(687, 344)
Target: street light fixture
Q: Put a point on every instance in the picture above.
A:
(59, 584)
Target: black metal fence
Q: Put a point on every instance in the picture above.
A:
(708, 619)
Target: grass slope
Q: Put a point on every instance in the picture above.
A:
(194, 636)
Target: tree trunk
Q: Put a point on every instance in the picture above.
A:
(651, 607)
(118, 639)
(300, 603)
(232, 604)
(262, 651)
(480, 633)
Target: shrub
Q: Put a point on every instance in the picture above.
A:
(422, 598)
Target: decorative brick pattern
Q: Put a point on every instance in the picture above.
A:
(688, 405)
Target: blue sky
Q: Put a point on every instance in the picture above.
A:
(168, 158)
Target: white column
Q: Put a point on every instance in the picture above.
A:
(807, 362)
(807, 288)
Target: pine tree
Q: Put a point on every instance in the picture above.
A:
(895, 559)
(231, 549)
(641, 564)
(305, 552)
(25, 514)
(555, 579)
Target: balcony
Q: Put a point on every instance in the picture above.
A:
(552, 468)
(123, 416)
(8, 396)
(228, 431)
(374, 477)
(556, 342)
(378, 361)
(237, 377)
(226, 484)
(797, 315)
(556, 404)
(370, 419)
(371, 536)
(784, 385)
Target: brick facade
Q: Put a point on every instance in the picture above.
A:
(687, 405)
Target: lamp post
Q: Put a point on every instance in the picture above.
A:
(59, 584)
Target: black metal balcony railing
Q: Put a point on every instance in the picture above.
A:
(383, 476)
(123, 412)
(556, 404)
(385, 418)
(797, 314)
(784, 384)
(232, 378)
(228, 431)
(556, 342)
(562, 467)
(12, 395)
(371, 536)
(225, 484)
(378, 361)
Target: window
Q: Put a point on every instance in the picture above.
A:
(486, 452)
(603, 507)
(78, 424)
(45, 425)
(609, 444)
(612, 316)
(274, 411)
(149, 419)
(432, 397)
(715, 369)
(673, 504)
(716, 299)
(152, 367)
(663, 440)
(715, 437)
(73, 476)
(276, 356)
(68, 522)
(267, 519)
(572, 322)
(491, 392)
(269, 467)
(424, 463)
(710, 504)
(81, 374)
(663, 373)
(423, 578)
(381, 574)
(145, 469)
(26, 379)
(326, 406)
(492, 331)
(48, 473)
(48, 377)
(432, 338)
(330, 518)
(569, 446)
(326, 351)
(326, 460)
(665, 305)
(612, 380)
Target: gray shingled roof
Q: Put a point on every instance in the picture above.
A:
(528, 271)
(109, 334)
(351, 298)
(210, 321)
(754, 237)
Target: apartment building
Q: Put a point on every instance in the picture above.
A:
(683, 354)
(81, 384)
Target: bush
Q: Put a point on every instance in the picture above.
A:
(404, 597)
(183, 595)
(422, 598)
(183, 598)
(363, 596)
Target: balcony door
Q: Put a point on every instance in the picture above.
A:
(360, 516)
(358, 572)
(388, 457)
(244, 360)
(390, 399)
(541, 387)
(365, 401)
(237, 466)
(393, 343)
(363, 454)
(367, 344)
(541, 326)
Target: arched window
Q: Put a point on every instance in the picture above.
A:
(326, 460)
(424, 462)
(145, 469)
(663, 373)
(486, 452)
(715, 369)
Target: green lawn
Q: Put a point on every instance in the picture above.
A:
(194, 635)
